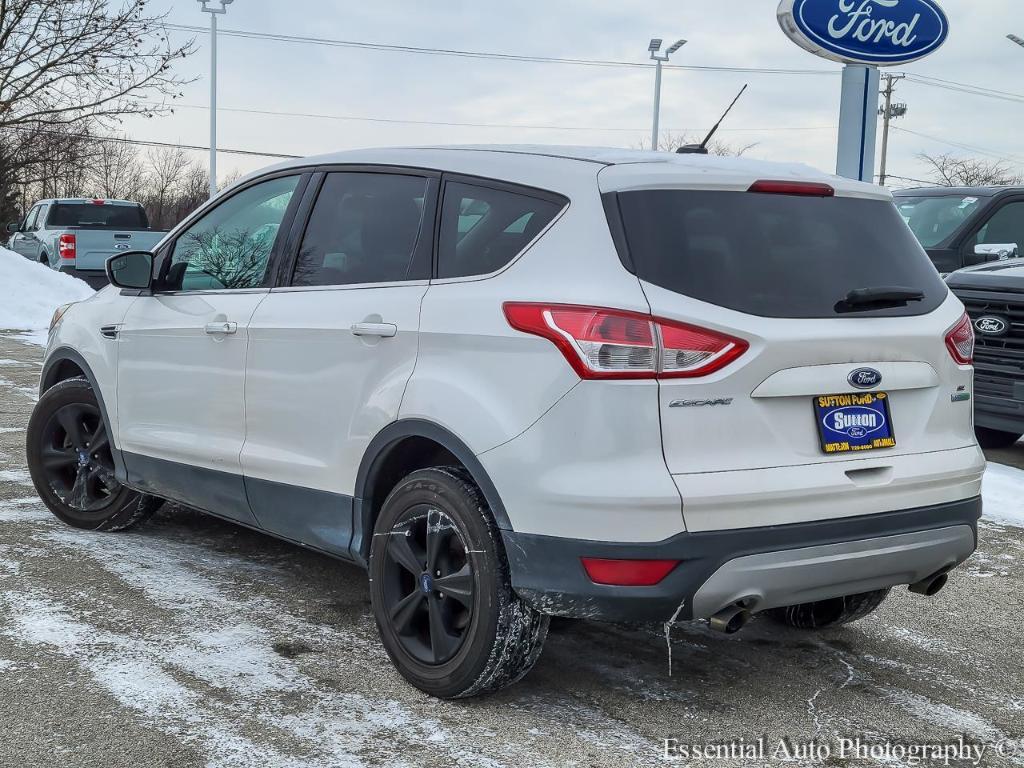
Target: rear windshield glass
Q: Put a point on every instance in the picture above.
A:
(934, 219)
(97, 216)
(778, 255)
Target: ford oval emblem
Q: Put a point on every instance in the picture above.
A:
(990, 325)
(880, 32)
(865, 378)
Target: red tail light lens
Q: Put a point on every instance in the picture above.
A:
(805, 188)
(627, 573)
(602, 343)
(66, 246)
(960, 341)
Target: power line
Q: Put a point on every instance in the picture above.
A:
(973, 90)
(489, 54)
(446, 123)
(958, 145)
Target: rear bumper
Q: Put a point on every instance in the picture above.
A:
(95, 278)
(767, 566)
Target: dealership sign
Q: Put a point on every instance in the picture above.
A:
(872, 32)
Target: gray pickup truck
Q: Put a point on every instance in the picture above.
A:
(77, 235)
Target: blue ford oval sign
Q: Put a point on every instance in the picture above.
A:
(879, 32)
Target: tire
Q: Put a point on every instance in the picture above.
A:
(78, 485)
(450, 621)
(994, 438)
(829, 613)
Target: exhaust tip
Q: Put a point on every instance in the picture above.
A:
(930, 586)
(730, 620)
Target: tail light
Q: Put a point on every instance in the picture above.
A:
(960, 341)
(604, 343)
(66, 246)
(627, 573)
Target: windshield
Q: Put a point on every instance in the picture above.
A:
(779, 255)
(96, 216)
(934, 219)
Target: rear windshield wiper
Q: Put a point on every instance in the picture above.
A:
(863, 299)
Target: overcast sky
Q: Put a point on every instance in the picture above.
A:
(790, 117)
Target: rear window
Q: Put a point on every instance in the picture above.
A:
(777, 255)
(93, 216)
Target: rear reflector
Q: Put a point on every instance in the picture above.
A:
(627, 573)
(960, 341)
(66, 246)
(805, 188)
(601, 343)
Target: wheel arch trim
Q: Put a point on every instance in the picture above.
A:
(373, 462)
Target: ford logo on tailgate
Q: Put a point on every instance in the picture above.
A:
(865, 378)
(885, 32)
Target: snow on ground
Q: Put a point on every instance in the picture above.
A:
(31, 291)
(1003, 494)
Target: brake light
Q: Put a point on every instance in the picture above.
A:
(960, 341)
(98, 201)
(602, 343)
(804, 188)
(66, 246)
(627, 573)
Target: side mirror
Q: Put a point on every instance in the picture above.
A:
(133, 269)
(997, 251)
(14, 226)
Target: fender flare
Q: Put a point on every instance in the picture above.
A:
(373, 461)
(47, 378)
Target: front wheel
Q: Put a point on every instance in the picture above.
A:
(72, 466)
(441, 591)
(995, 438)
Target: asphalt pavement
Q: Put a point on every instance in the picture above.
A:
(194, 642)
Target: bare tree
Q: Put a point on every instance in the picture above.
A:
(116, 171)
(62, 61)
(167, 169)
(948, 170)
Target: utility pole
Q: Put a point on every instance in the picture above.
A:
(214, 12)
(888, 112)
(659, 59)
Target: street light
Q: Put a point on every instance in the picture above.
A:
(659, 59)
(1018, 40)
(214, 12)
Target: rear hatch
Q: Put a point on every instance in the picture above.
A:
(102, 228)
(844, 314)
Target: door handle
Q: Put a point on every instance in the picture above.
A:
(384, 330)
(221, 327)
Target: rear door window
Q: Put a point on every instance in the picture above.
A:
(777, 255)
(484, 228)
(1006, 227)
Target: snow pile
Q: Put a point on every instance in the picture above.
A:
(1003, 494)
(29, 292)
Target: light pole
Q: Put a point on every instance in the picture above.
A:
(214, 12)
(889, 112)
(659, 59)
(1018, 40)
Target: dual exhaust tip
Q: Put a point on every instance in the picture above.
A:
(733, 618)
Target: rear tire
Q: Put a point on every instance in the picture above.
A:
(441, 591)
(824, 614)
(994, 438)
(71, 464)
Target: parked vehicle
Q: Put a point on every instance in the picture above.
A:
(994, 297)
(522, 382)
(964, 226)
(77, 235)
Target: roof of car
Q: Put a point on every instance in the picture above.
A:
(558, 167)
(985, 191)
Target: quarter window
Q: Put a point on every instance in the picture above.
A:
(364, 229)
(483, 229)
(229, 247)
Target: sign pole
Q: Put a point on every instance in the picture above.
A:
(858, 122)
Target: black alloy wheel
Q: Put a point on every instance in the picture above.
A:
(76, 459)
(428, 587)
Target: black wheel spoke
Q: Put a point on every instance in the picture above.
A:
(441, 641)
(400, 550)
(405, 611)
(78, 496)
(56, 458)
(458, 585)
(70, 419)
(438, 531)
(106, 477)
(99, 443)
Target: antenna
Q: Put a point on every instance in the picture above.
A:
(702, 148)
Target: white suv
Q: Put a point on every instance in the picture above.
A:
(521, 382)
